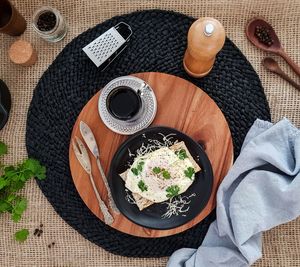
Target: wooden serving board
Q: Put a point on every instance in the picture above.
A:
(181, 105)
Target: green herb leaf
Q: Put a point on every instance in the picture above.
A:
(189, 172)
(156, 170)
(3, 182)
(166, 174)
(20, 206)
(135, 171)
(12, 179)
(21, 235)
(16, 186)
(18, 209)
(140, 166)
(25, 175)
(11, 198)
(36, 169)
(10, 172)
(4, 206)
(181, 154)
(172, 191)
(142, 186)
(3, 148)
(16, 217)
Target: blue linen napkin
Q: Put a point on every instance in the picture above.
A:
(261, 191)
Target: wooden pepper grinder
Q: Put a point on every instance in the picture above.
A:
(206, 38)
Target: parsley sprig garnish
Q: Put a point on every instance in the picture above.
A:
(172, 191)
(181, 154)
(189, 172)
(156, 170)
(13, 179)
(142, 186)
(165, 174)
(136, 171)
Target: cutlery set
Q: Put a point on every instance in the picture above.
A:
(82, 156)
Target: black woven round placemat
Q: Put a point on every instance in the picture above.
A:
(158, 44)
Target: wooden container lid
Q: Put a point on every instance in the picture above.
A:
(22, 53)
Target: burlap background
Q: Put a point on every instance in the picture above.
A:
(281, 246)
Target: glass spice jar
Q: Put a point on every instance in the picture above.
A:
(49, 24)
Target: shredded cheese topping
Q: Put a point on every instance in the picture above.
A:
(154, 144)
(129, 198)
(177, 206)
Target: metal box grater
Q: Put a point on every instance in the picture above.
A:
(104, 49)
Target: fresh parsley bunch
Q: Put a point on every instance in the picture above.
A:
(13, 179)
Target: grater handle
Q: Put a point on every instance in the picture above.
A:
(124, 30)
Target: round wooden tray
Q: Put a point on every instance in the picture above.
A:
(181, 105)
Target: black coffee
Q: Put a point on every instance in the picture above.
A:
(123, 103)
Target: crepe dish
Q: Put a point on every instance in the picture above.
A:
(160, 175)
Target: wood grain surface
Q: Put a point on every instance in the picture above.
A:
(181, 105)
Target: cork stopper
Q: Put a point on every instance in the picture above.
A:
(22, 53)
(206, 38)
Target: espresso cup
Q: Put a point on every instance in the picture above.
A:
(11, 21)
(124, 103)
(5, 103)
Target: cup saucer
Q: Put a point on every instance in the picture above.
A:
(145, 118)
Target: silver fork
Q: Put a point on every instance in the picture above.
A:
(83, 158)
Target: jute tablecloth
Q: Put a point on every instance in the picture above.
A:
(281, 245)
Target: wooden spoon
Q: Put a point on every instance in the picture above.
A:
(273, 66)
(275, 48)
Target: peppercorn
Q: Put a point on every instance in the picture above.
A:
(36, 231)
(39, 232)
(51, 245)
(46, 21)
(263, 35)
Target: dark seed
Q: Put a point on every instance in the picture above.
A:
(46, 21)
(263, 35)
(41, 225)
(49, 246)
(53, 243)
(41, 231)
(36, 231)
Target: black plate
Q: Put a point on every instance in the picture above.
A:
(151, 217)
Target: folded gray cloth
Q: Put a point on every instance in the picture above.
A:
(261, 191)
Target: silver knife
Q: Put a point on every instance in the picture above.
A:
(90, 141)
